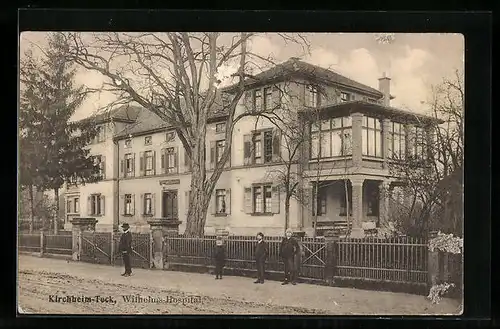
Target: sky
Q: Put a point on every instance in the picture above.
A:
(413, 61)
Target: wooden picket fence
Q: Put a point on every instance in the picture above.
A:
(398, 260)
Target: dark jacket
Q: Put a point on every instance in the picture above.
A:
(289, 247)
(220, 254)
(126, 242)
(261, 251)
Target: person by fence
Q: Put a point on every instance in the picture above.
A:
(261, 252)
(220, 257)
(126, 248)
(289, 249)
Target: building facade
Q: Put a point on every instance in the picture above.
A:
(350, 136)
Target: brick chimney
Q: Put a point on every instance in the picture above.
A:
(384, 86)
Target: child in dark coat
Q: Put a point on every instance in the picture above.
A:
(220, 257)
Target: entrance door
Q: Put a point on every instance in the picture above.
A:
(169, 204)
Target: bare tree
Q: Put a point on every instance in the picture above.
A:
(177, 76)
(433, 169)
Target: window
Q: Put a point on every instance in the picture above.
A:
(148, 140)
(320, 201)
(257, 100)
(262, 196)
(77, 205)
(268, 98)
(220, 127)
(343, 202)
(170, 136)
(128, 204)
(261, 147)
(344, 97)
(96, 205)
(257, 147)
(100, 136)
(171, 166)
(219, 149)
(99, 163)
(331, 138)
(420, 145)
(372, 137)
(148, 204)
(312, 96)
(129, 165)
(128, 143)
(69, 206)
(220, 201)
(397, 142)
(149, 163)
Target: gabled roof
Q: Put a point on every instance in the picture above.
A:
(296, 67)
(125, 113)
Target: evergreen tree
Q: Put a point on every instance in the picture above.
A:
(53, 148)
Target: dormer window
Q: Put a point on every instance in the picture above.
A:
(220, 127)
(312, 96)
(345, 97)
(170, 136)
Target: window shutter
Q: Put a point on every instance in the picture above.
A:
(132, 206)
(89, 205)
(143, 203)
(277, 96)
(133, 165)
(186, 200)
(275, 200)
(212, 155)
(141, 164)
(187, 161)
(103, 164)
(103, 203)
(176, 159)
(247, 149)
(228, 201)
(163, 160)
(153, 200)
(154, 162)
(247, 201)
(227, 164)
(248, 101)
(122, 165)
(276, 145)
(122, 204)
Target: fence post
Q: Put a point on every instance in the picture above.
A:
(160, 229)
(78, 225)
(331, 241)
(432, 264)
(112, 248)
(42, 243)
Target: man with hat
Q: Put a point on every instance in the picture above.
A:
(125, 247)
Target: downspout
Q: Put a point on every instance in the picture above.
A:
(116, 178)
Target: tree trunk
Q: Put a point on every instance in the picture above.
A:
(287, 211)
(201, 192)
(56, 219)
(32, 209)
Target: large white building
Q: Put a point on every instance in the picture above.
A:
(147, 175)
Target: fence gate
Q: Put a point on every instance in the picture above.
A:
(141, 250)
(96, 247)
(313, 258)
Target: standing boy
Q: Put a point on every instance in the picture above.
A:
(288, 250)
(125, 247)
(260, 257)
(220, 257)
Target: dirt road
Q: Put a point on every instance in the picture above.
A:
(44, 283)
(39, 292)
